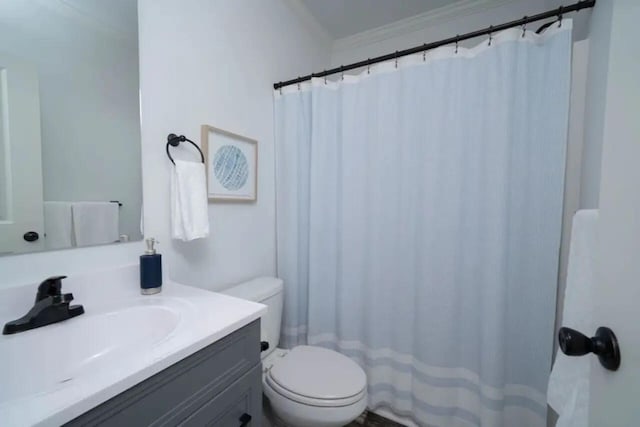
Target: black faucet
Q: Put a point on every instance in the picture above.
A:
(51, 306)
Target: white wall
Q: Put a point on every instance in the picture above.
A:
(613, 399)
(88, 76)
(214, 62)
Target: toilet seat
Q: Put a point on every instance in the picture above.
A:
(317, 376)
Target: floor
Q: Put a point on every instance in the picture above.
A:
(367, 419)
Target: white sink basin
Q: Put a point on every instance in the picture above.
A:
(46, 359)
(53, 374)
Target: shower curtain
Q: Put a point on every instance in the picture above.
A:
(419, 210)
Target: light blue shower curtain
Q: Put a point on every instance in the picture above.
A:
(418, 220)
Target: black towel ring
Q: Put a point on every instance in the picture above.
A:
(175, 140)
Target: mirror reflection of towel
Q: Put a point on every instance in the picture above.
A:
(95, 223)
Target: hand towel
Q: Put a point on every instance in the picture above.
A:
(57, 225)
(95, 223)
(568, 392)
(189, 209)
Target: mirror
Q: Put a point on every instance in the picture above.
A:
(70, 167)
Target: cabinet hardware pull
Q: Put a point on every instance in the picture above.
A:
(245, 419)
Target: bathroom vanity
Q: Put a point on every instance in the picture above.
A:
(220, 385)
(183, 357)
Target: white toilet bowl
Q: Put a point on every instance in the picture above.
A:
(306, 386)
(314, 387)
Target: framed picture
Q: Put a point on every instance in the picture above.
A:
(231, 165)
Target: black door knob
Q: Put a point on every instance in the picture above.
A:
(604, 344)
(31, 236)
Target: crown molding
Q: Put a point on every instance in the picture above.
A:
(417, 22)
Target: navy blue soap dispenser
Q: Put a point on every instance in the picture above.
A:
(150, 269)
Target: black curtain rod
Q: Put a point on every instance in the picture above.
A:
(428, 46)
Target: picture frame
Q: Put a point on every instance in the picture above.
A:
(231, 164)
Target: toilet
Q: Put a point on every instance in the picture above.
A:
(307, 386)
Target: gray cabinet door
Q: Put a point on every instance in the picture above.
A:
(239, 405)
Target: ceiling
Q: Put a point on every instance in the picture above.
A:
(342, 18)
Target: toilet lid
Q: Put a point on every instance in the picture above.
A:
(319, 374)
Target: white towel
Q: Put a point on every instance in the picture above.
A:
(57, 225)
(95, 223)
(568, 392)
(189, 210)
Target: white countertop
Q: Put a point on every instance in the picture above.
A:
(198, 318)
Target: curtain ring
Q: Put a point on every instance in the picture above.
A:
(368, 65)
(524, 26)
(457, 40)
(396, 59)
(280, 89)
(424, 52)
(490, 34)
(342, 72)
(325, 76)
(560, 9)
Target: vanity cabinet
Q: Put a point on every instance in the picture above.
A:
(220, 385)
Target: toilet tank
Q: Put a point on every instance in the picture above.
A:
(267, 291)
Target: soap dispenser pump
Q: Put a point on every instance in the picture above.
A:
(150, 269)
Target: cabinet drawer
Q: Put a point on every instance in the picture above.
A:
(239, 405)
(172, 395)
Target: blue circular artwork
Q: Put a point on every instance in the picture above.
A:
(230, 167)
